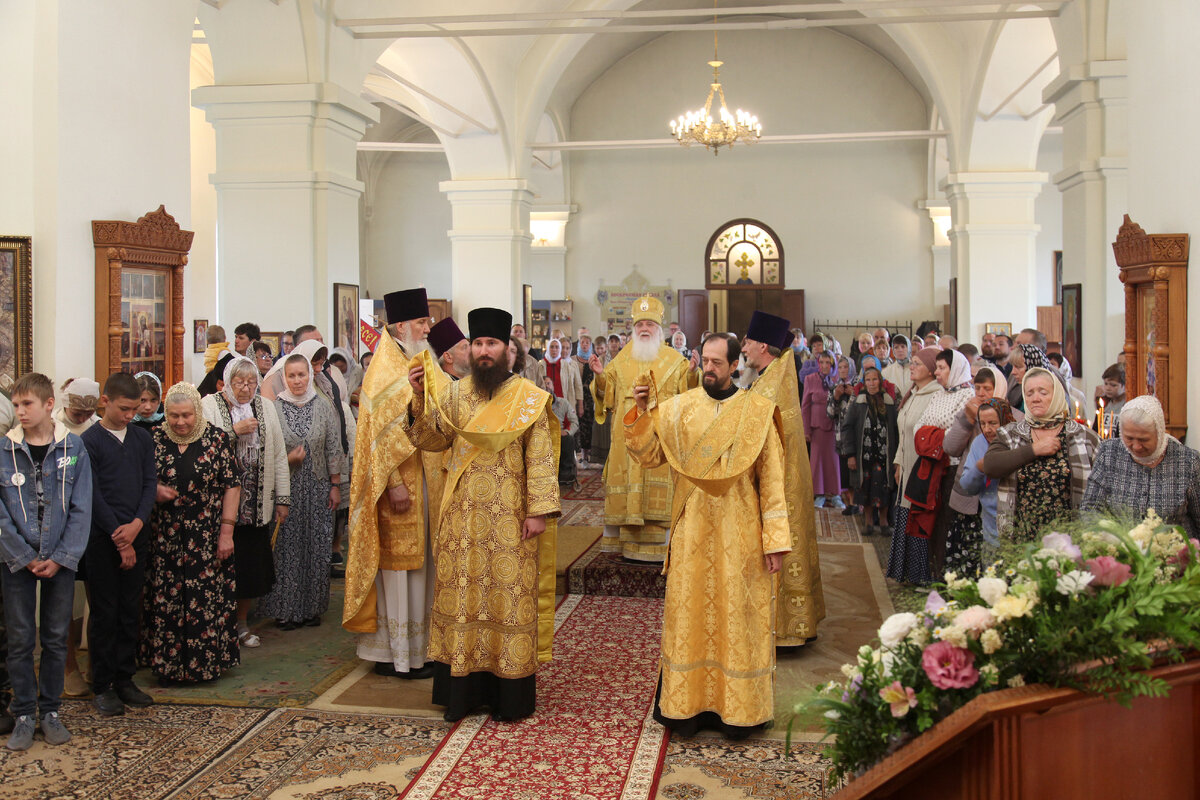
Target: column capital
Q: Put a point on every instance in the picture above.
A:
(1082, 86)
(223, 103)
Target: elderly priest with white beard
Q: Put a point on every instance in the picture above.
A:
(637, 499)
(730, 532)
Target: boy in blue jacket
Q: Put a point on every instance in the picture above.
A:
(45, 521)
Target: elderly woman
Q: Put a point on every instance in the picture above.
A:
(150, 412)
(582, 359)
(679, 343)
(1146, 468)
(189, 632)
(311, 434)
(840, 398)
(1042, 462)
(869, 439)
(908, 560)
(263, 474)
(819, 431)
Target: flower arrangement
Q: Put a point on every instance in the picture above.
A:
(1090, 610)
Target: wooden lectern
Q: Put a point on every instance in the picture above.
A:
(1038, 743)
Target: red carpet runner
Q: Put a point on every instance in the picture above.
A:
(592, 735)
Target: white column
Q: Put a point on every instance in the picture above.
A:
(993, 240)
(1164, 115)
(1091, 105)
(287, 199)
(489, 243)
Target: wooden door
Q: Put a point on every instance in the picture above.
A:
(439, 309)
(693, 314)
(792, 308)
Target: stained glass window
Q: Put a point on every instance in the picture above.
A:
(744, 253)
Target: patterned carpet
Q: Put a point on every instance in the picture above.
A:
(714, 768)
(144, 755)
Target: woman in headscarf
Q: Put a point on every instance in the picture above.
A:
(840, 398)
(262, 468)
(1042, 462)
(351, 371)
(679, 344)
(189, 632)
(819, 431)
(310, 432)
(908, 561)
(970, 548)
(1023, 358)
(869, 440)
(582, 359)
(1146, 468)
(150, 409)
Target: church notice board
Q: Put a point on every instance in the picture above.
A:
(1154, 271)
(616, 302)
(139, 295)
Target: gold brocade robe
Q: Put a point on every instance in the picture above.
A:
(493, 607)
(384, 458)
(718, 649)
(800, 603)
(635, 495)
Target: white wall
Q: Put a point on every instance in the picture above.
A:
(200, 277)
(1048, 215)
(407, 230)
(852, 236)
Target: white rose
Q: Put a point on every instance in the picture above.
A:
(992, 589)
(896, 627)
(1073, 582)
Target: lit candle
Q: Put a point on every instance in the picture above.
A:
(1100, 416)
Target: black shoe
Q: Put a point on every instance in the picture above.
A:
(7, 723)
(286, 625)
(336, 558)
(132, 696)
(418, 674)
(108, 703)
(337, 572)
(385, 669)
(451, 717)
(851, 510)
(312, 622)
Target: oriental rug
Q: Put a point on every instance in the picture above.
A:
(590, 484)
(144, 755)
(586, 513)
(833, 527)
(597, 573)
(592, 734)
(714, 768)
(321, 755)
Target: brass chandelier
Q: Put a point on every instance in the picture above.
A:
(699, 127)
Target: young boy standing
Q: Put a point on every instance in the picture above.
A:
(124, 483)
(45, 516)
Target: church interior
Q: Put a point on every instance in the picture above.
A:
(964, 162)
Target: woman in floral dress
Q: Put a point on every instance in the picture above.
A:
(313, 439)
(189, 631)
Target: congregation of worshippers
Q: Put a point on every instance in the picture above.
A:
(428, 473)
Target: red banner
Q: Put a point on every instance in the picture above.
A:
(370, 336)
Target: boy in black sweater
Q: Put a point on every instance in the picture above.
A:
(125, 482)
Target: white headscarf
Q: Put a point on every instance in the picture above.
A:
(1142, 407)
(246, 443)
(273, 385)
(310, 391)
(960, 372)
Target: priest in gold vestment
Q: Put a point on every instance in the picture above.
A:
(492, 619)
(637, 499)
(800, 602)
(729, 532)
(394, 491)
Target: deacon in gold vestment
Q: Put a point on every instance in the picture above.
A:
(729, 531)
(800, 602)
(493, 610)
(637, 499)
(394, 491)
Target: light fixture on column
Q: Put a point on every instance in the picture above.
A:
(699, 127)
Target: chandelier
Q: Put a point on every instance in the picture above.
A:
(699, 127)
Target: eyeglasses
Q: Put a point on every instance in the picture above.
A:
(243, 383)
(263, 356)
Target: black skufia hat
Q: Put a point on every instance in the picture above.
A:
(493, 322)
(445, 335)
(770, 330)
(405, 304)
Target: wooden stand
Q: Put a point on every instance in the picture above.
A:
(1154, 271)
(1037, 743)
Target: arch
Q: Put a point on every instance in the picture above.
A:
(744, 253)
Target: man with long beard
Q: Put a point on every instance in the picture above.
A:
(637, 500)
(394, 492)
(800, 601)
(492, 620)
(729, 536)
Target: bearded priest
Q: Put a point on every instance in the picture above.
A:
(730, 534)
(800, 601)
(637, 499)
(394, 490)
(493, 610)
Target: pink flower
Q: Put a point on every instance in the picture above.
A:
(1184, 556)
(1108, 571)
(975, 619)
(900, 698)
(949, 667)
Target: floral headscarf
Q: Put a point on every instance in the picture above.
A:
(1003, 410)
(1034, 357)
(180, 393)
(832, 378)
(1059, 413)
